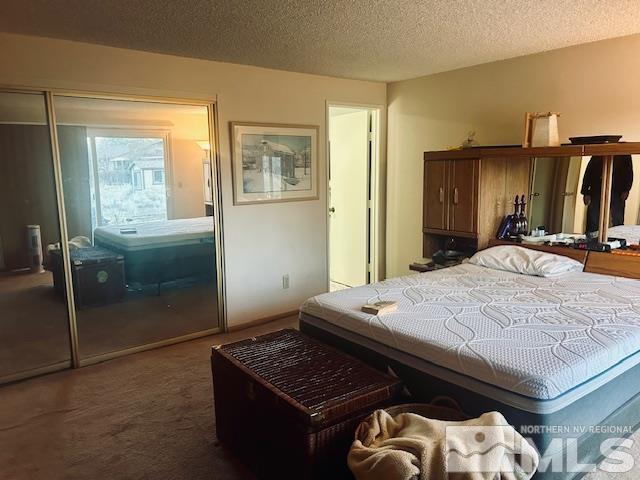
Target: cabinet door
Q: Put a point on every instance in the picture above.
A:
(464, 196)
(435, 195)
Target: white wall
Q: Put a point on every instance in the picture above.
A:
(595, 86)
(262, 242)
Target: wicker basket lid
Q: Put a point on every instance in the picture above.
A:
(320, 382)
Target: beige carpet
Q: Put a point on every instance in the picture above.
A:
(34, 328)
(145, 416)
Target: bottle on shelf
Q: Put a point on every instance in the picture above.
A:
(515, 224)
(524, 223)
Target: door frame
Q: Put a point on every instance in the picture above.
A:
(377, 178)
(214, 139)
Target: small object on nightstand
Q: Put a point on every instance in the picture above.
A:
(431, 266)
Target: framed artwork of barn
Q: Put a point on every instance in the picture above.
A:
(274, 162)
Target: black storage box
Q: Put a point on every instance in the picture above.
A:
(98, 275)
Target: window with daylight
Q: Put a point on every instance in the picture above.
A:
(129, 181)
(158, 177)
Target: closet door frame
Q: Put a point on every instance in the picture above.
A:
(212, 116)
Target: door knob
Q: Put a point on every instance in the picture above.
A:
(332, 210)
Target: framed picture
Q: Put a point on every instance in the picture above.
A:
(274, 163)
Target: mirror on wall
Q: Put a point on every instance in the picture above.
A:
(34, 325)
(556, 202)
(140, 225)
(566, 196)
(625, 199)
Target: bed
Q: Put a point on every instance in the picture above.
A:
(545, 352)
(631, 233)
(162, 251)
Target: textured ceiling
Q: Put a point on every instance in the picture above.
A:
(364, 39)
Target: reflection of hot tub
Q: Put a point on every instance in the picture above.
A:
(162, 251)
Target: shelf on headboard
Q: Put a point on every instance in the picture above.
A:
(629, 148)
(610, 264)
(579, 255)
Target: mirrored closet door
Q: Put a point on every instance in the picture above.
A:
(566, 194)
(624, 204)
(136, 179)
(34, 325)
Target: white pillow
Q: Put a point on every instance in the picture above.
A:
(516, 259)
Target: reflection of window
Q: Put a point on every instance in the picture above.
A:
(138, 181)
(128, 175)
(158, 177)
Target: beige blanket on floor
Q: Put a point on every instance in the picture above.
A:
(411, 447)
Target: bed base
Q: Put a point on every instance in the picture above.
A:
(425, 387)
(159, 265)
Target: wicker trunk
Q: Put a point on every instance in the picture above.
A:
(288, 405)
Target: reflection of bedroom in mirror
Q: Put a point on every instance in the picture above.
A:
(566, 196)
(137, 207)
(625, 199)
(136, 178)
(34, 333)
(554, 193)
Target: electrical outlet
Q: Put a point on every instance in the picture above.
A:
(285, 281)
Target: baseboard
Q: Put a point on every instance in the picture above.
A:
(261, 321)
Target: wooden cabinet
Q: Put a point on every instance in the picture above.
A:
(435, 195)
(464, 196)
(451, 196)
(468, 192)
(467, 198)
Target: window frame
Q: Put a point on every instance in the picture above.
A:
(153, 177)
(118, 132)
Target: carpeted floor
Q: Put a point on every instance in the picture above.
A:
(35, 332)
(147, 415)
(144, 416)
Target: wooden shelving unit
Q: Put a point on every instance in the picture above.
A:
(468, 192)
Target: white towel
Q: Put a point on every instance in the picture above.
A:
(411, 447)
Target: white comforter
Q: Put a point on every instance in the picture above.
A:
(535, 336)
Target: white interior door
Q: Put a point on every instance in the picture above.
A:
(348, 195)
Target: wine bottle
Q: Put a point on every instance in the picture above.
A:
(524, 223)
(515, 226)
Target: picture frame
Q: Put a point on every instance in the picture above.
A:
(274, 162)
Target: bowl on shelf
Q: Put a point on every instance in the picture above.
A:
(594, 139)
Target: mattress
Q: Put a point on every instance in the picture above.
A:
(631, 233)
(550, 341)
(160, 233)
